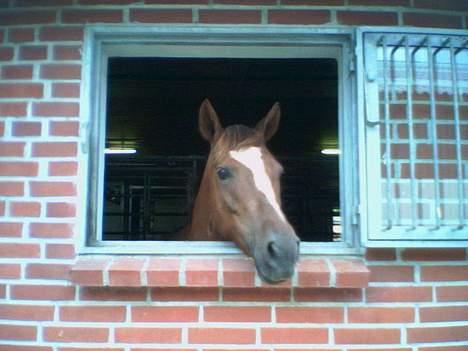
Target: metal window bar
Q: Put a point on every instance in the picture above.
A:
(456, 118)
(431, 204)
(411, 139)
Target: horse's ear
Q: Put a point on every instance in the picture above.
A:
(208, 122)
(269, 124)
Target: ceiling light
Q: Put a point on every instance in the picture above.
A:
(119, 151)
(330, 151)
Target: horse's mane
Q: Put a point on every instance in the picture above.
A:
(235, 137)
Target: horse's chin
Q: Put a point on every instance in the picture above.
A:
(271, 275)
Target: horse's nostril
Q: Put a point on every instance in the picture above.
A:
(272, 249)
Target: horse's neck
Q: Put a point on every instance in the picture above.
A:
(200, 227)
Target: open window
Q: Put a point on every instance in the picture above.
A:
(414, 89)
(145, 155)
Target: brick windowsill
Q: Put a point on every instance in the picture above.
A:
(146, 271)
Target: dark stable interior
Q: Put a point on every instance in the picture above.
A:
(152, 106)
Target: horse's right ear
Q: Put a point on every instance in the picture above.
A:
(208, 122)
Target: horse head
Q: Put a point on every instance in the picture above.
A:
(239, 197)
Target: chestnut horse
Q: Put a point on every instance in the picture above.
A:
(239, 195)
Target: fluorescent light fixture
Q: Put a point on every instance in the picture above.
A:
(119, 151)
(330, 151)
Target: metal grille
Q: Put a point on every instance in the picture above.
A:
(421, 84)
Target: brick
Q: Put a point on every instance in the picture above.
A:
(431, 20)
(450, 5)
(238, 273)
(257, 294)
(163, 314)
(6, 53)
(309, 314)
(92, 313)
(442, 334)
(443, 314)
(10, 271)
(40, 3)
(294, 336)
(443, 348)
(245, 2)
(2, 208)
(66, 90)
(60, 251)
(50, 188)
(59, 128)
(60, 210)
(2, 291)
(26, 312)
(61, 34)
(54, 149)
(21, 90)
(56, 109)
(298, 16)
(19, 169)
(17, 72)
(160, 16)
(108, 2)
(313, 273)
(112, 294)
(457, 254)
(148, 335)
(20, 17)
(399, 294)
(13, 109)
(126, 272)
(92, 16)
(51, 230)
(18, 332)
(26, 129)
(2, 128)
(19, 250)
(174, 2)
(367, 18)
(33, 52)
(444, 273)
(60, 71)
(221, 336)
(63, 168)
(184, 294)
(6, 347)
(350, 273)
(391, 273)
(25, 209)
(380, 254)
(380, 315)
(47, 271)
(89, 271)
(43, 292)
(10, 229)
(163, 272)
(201, 272)
(92, 349)
(367, 336)
(11, 188)
(237, 314)
(75, 334)
(452, 293)
(230, 16)
(67, 52)
(8, 149)
(19, 35)
(328, 295)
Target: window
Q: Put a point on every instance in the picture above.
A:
(137, 79)
(415, 93)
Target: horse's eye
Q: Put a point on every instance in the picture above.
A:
(223, 173)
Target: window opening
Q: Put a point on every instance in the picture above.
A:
(152, 112)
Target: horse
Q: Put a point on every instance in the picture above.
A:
(239, 195)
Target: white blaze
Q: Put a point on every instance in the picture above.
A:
(252, 159)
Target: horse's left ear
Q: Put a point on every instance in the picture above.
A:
(269, 124)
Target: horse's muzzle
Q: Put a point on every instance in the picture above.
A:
(276, 258)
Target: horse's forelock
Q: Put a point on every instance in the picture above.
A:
(235, 137)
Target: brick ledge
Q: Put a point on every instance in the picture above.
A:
(148, 271)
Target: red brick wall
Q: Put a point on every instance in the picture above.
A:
(417, 300)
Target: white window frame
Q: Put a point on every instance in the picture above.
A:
(102, 42)
(372, 233)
